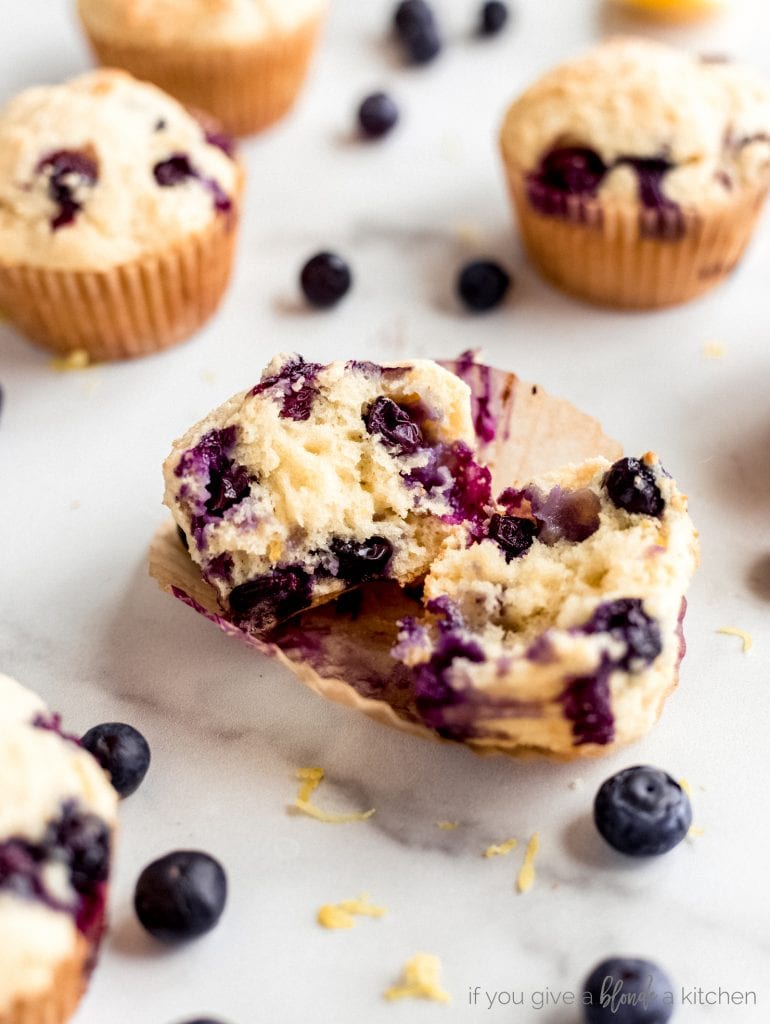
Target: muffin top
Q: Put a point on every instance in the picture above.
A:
(195, 22)
(104, 169)
(637, 119)
(57, 810)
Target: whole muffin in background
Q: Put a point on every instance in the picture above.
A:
(638, 171)
(674, 10)
(244, 61)
(57, 817)
(118, 216)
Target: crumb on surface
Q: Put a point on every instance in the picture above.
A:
(714, 350)
(311, 779)
(501, 849)
(742, 634)
(420, 980)
(343, 915)
(78, 359)
(526, 877)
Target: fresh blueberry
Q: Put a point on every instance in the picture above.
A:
(514, 536)
(325, 279)
(482, 285)
(417, 30)
(377, 115)
(394, 425)
(642, 812)
(123, 753)
(493, 17)
(181, 896)
(625, 991)
(631, 485)
(360, 561)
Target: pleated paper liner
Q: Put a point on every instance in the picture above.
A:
(341, 651)
(246, 86)
(615, 254)
(57, 1003)
(133, 309)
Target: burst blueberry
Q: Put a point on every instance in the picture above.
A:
(69, 172)
(181, 896)
(123, 753)
(377, 115)
(631, 485)
(626, 621)
(361, 561)
(276, 595)
(325, 279)
(482, 285)
(493, 17)
(513, 535)
(642, 812)
(394, 424)
(628, 991)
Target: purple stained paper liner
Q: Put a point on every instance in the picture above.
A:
(342, 650)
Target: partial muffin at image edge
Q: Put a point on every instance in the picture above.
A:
(57, 822)
(637, 172)
(118, 216)
(245, 64)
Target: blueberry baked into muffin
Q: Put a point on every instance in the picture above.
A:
(57, 816)
(638, 171)
(244, 61)
(321, 478)
(118, 212)
(557, 626)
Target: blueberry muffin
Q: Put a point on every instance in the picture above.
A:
(320, 478)
(674, 10)
(57, 816)
(638, 171)
(118, 212)
(558, 625)
(244, 61)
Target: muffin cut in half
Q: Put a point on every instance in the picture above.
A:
(638, 171)
(57, 817)
(321, 478)
(244, 61)
(118, 215)
(557, 625)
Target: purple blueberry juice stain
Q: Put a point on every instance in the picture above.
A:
(564, 515)
(177, 169)
(294, 386)
(68, 170)
(478, 377)
(452, 470)
(50, 721)
(79, 841)
(222, 141)
(219, 568)
(587, 705)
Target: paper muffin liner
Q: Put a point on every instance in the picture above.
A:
(58, 1002)
(246, 86)
(341, 650)
(618, 254)
(133, 309)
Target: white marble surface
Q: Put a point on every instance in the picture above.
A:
(79, 619)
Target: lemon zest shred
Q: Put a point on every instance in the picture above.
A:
(78, 359)
(714, 350)
(447, 826)
(501, 849)
(695, 832)
(526, 876)
(686, 787)
(341, 915)
(421, 980)
(742, 634)
(311, 779)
